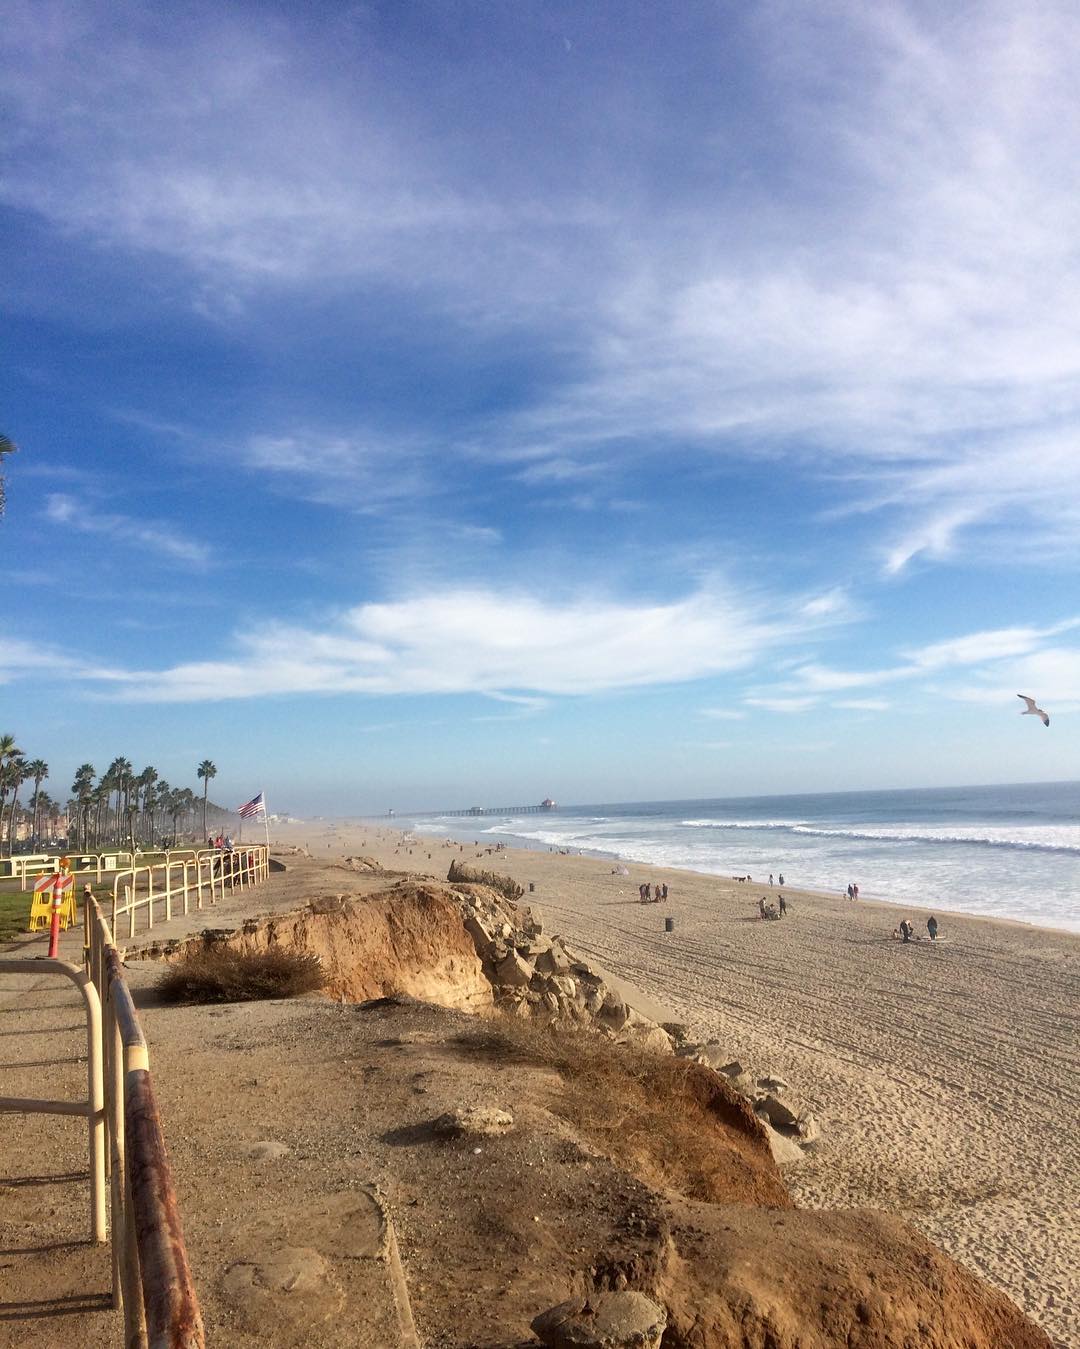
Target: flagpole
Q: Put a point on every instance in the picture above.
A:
(266, 827)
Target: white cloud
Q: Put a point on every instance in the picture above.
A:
(1051, 676)
(978, 647)
(129, 531)
(781, 702)
(900, 308)
(821, 679)
(722, 713)
(933, 538)
(512, 646)
(863, 704)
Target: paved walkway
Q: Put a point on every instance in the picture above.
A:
(55, 1284)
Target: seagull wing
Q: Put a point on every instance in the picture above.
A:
(1032, 710)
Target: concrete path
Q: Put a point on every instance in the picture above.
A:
(55, 1284)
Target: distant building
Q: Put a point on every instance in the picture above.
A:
(547, 803)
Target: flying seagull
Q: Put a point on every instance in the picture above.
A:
(1032, 711)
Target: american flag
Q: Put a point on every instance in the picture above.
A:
(255, 809)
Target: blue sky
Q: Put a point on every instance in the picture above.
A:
(436, 402)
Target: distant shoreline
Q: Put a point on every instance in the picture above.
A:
(899, 907)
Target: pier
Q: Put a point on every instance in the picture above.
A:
(544, 806)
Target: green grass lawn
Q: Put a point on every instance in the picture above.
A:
(14, 912)
(15, 907)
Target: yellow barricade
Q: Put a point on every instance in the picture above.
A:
(41, 907)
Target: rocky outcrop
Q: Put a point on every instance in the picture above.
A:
(533, 975)
(408, 939)
(503, 885)
(467, 946)
(787, 1126)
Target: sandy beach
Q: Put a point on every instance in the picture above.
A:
(944, 1075)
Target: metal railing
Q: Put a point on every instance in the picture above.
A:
(26, 866)
(94, 1106)
(151, 1277)
(204, 876)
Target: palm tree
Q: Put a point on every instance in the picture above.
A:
(81, 789)
(99, 799)
(9, 751)
(17, 775)
(145, 783)
(39, 771)
(7, 446)
(206, 770)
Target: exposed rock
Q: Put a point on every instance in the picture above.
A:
(809, 1129)
(776, 1112)
(645, 1035)
(462, 871)
(326, 904)
(613, 1011)
(532, 920)
(554, 960)
(677, 1030)
(485, 1121)
(624, 1320)
(785, 1150)
(482, 939)
(362, 864)
(563, 984)
(773, 1084)
(514, 971)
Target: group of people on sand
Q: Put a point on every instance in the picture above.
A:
(852, 891)
(771, 879)
(645, 892)
(223, 843)
(905, 932)
(767, 910)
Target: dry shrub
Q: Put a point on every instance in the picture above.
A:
(220, 974)
(668, 1120)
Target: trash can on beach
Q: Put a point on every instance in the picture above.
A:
(669, 924)
(531, 887)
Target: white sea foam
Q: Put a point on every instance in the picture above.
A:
(1055, 838)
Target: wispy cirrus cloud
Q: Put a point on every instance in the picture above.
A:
(993, 660)
(81, 515)
(922, 355)
(514, 647)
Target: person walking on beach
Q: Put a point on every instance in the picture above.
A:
(770, 878)
(850, 891)
(783, 906)
(854, 892)
(781, 878)
(931, 927)
(664, 895)
(905, 929)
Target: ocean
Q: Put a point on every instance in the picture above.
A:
(1003, 852)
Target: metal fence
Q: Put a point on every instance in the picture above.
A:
(151, 1276)
(200, 877)
(130, 1179)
